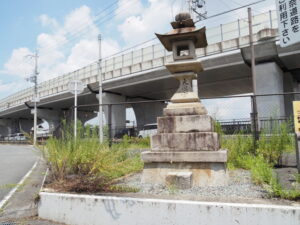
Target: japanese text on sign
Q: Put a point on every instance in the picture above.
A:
(288, 13)
(296, 109)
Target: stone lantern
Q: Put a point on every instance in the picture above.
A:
(185, 152)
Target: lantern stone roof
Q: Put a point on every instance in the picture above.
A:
(183, 29)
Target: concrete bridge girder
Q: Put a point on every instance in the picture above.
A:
(224, 74)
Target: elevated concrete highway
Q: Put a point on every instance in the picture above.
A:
(141, 74)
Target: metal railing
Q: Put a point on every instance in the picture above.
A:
(226, 37)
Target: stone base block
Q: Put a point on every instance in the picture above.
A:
(180, 180)
(183, 109)
(181, 66)
(172, 157)
(198, 141)
(203, 174)
(184, 97)
(185, 124)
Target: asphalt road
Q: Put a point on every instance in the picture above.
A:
(15, 162)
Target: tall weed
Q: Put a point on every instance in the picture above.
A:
(85, 156)
(272, 144)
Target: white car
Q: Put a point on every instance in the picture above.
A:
(19, 137)
(148, 130)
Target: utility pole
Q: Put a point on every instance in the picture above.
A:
(253, 74)
(253, 71)
(197, 7)
(35, 97)
(100, 92)
(35, 100)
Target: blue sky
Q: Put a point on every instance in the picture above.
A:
(65, 32)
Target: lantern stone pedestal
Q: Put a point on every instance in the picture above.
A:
(185, 152)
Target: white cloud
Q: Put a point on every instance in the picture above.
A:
(128, 8)
(70, 45)
(18, 64)
(47, 21)
(11, 87)
(78, 20)
(153, 19)
(228, 108)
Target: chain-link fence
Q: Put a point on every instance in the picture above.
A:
(243, 114)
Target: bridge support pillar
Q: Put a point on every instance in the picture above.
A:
(25, 125)
(118, 112)
(53, 118)
(12, 126)
(147, 113)
(6, 127)
(85, 116)
(270, 79)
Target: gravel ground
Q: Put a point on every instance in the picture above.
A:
(239, 186)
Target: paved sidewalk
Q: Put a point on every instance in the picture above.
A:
(21, 209)
(15, 162)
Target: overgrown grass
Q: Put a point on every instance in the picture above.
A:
(272, 144)
(260, 162)
(86, 157)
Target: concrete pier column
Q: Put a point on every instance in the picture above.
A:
(5, 127)
(147, 113)
(289, 83)
(269, 80)
(25, 125)
(118, 114)
(12, 126)
(52, 117)
(85, 116)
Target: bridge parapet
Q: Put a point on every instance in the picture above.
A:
(226, 37)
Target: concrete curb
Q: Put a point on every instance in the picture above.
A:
(95, 210)
(10, 194)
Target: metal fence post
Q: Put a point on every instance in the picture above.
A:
(131, 57)
(109, 123)
(297, 147)
(221, 28)
(239, 27)
(254, 120)
(270, 16)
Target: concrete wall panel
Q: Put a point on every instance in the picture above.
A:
(99, 210)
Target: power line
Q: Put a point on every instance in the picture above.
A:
(71, 41)
(241, 5)
(98, 21)
(83, 26)
(231, 10)
(152, 39)
(97, 15)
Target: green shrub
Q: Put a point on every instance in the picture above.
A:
(86, 157)
(239, 148)
(241, 155)
(271, 145)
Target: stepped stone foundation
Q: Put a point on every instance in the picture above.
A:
(185, 153)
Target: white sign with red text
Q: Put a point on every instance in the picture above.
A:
(288, 14)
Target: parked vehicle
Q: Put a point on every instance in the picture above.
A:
(19, 137)
(11, 137)
(148, 130)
